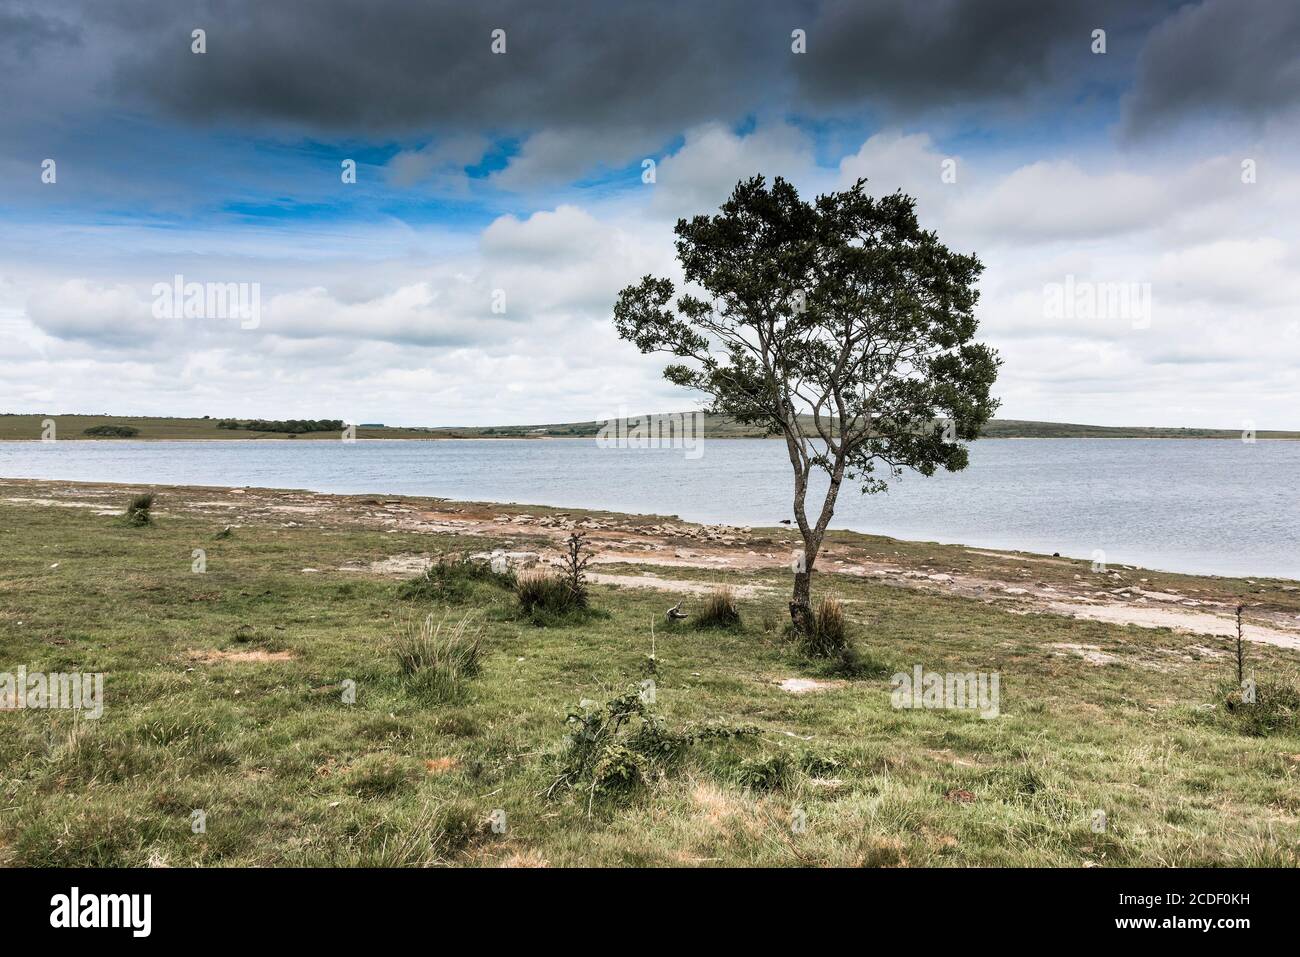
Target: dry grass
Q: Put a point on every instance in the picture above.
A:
(719, 609)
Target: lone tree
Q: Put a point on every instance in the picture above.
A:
(840, 325)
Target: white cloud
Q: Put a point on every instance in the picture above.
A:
(395, 323)
(700, 175)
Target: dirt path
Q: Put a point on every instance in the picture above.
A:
(1194, 622)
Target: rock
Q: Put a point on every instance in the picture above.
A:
(1015, 591)
(940, 578)
(804, 685)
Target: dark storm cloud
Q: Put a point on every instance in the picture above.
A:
(343, 67)
(909, 55)
(27, 33)
(1238, 58)
(392, 66)
(597, 71)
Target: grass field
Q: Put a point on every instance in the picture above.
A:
(223, 694)
(14, 426)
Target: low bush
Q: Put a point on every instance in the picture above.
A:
(139, 510)
(773, 773)
(1276, 708)
(614, 748)
(112, 431)
(452, 579)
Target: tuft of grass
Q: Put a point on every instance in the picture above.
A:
(438, 659)
(545, 595)
(138, 510)
(719, 609)
(830, 632)
(377, 775)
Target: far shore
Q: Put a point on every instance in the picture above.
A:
(709, 427)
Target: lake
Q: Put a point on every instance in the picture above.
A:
(1202, 506)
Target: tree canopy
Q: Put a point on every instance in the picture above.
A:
(843, 309)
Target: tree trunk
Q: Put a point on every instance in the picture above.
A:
(801, 613)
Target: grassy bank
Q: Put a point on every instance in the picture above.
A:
(223, 693)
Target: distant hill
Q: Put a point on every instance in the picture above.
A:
(157, 427)
(721, 427)
(15, 426)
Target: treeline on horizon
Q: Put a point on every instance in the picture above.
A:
(290, 426)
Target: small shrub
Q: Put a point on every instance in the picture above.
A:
(719, 609)
(576, 557)
(451, 579)
(613, 748)
(138, 510)
(766, 774)
(1276, 709)
(619, 770)
(439, 659)
(112, 431)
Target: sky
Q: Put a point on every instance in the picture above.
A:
(1134, 194)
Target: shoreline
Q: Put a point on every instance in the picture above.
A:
(661, 549)
(704, 522)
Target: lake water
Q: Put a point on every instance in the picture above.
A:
(1202, 506)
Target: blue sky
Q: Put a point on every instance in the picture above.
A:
(485, 178)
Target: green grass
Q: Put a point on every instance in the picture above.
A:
(224, 693)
